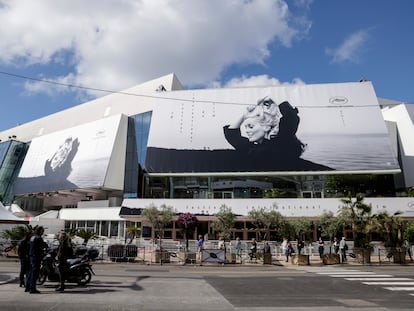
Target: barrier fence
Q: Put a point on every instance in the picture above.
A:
(185, 252)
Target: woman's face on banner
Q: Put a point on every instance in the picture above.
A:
(255, 130)
(61, 155)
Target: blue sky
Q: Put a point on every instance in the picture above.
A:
(113, 45)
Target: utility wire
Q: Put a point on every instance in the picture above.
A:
(68, 85)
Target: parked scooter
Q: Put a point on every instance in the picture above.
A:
(80, 269)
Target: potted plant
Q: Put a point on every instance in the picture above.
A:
(300, 227)
(159, 218)
(223, 225)
(265, 220)
(330, 226)
(358, 214)
(187, 222)
(389, 227)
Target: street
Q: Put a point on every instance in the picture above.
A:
(132, 286)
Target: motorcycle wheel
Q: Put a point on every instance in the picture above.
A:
(85, 277)
(42, 277)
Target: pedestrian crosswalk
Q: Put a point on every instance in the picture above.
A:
(386, 281)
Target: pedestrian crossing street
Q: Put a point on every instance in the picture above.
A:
(386, 281)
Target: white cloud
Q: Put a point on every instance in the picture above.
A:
(260, 80)
(115, 44)
(349, 50)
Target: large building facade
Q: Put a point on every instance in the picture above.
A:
(297, 149)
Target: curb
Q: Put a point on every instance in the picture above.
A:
(7, 278)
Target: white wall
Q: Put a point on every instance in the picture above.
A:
(287, 207)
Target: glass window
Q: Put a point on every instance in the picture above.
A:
(104, 228)
(12, 154)
(90, 225)
(67, 224)
(114, 229)
(142, 125)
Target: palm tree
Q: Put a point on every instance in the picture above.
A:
(86, 235)
(389, 226)
(17, 233)
(409, 231)
(71, 233)
(358, 214)
(132, 232)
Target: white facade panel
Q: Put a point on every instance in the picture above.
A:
(402, 116)
(115, 173)
(73, 158)
(96, 213)
(132, 101)
(287, 207)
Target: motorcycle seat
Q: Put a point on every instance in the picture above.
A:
(73, 261)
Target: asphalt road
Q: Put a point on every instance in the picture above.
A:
(231, 287)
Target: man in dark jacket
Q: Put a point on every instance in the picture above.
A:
(36, 248)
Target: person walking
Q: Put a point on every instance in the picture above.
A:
(285, 249)
(200, 246)
(23, 252)
(221, 244)
(35, 256)
(343, 247)
(238, 249)
(301, 245)
(321, 247)
(335, 246)
(65, 251)
(407, 246)
(253, 249)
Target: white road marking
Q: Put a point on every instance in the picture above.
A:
(390, 283)
(400, 288)
(361, 275)
(376, 278)
(347, 272)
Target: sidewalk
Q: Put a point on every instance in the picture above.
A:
(277, 260)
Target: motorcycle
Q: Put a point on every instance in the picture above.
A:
(79, 269)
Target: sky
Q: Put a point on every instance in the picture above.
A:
(116, 44)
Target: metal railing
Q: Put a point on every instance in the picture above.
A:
(181, 252)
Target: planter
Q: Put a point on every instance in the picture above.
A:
(331, 259)
(230, 258)
(399, 257)
(300, 260)
(363, 255)
(187, 257)
(159, 255)
(267, 258)
(398, 254)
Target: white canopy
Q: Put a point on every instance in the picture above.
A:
(6, 216)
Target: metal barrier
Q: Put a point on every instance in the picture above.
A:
(185, 252)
